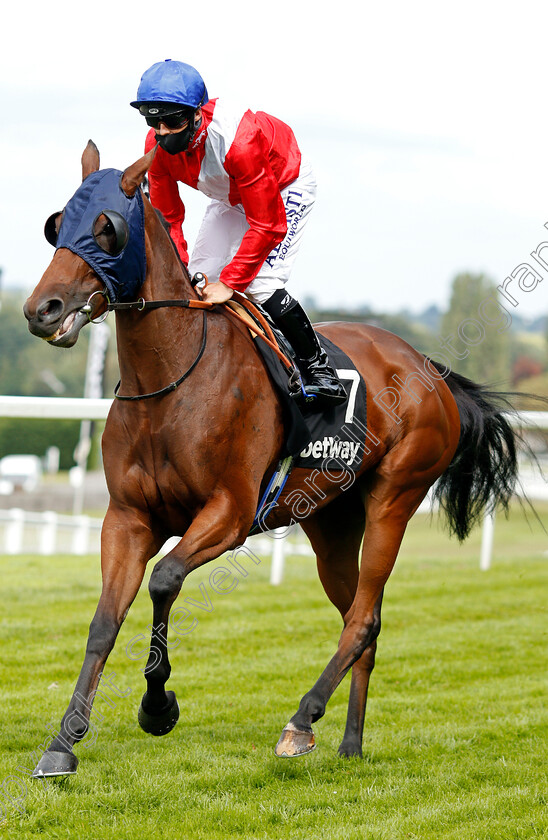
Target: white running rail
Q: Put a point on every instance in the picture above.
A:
(80, 535)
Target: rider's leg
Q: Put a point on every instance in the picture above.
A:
(319, 377)
(268, 289)
(222, 230)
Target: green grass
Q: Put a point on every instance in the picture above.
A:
(456, 741)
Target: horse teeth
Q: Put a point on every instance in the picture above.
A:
(52, 337)
(64, 328)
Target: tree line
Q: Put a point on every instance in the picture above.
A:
(474, 335)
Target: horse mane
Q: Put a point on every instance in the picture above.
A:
(167, 227)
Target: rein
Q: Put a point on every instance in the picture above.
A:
(261, 328)
(141, 305)
(173, 385)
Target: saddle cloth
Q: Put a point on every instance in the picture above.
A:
(336, 432)
(331, 439)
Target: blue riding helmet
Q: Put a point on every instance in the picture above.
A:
(123, 272)
(174, 82)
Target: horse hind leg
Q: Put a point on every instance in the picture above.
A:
(388, 507)
(351, 744)
(335, 534)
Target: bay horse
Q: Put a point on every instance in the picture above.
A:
(194, 460)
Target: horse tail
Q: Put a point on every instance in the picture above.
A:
(484, 471)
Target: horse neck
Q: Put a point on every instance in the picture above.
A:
(154, 347)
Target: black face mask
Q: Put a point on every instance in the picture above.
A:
(174, 144)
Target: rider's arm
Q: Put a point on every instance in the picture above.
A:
(164, 195)
(248, 165)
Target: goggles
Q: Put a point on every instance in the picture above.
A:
(171, 120)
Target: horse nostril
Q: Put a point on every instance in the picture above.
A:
(50, 310)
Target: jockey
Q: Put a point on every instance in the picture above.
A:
(262, 191)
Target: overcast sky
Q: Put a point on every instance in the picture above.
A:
(425, 121)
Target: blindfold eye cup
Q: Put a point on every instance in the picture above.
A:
(121, 232)
(51, 228)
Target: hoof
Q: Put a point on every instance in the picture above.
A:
(55, 764)
(348, 751)
(294, 742)
(159, 724)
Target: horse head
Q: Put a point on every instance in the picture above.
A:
(100, 251)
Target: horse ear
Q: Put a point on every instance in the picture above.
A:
(90, 159)
(134, 174)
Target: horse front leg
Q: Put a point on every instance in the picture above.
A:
(126, 546)
(216, 529)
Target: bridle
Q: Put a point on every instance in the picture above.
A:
(262, 329)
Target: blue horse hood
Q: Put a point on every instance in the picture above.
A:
(123, 274)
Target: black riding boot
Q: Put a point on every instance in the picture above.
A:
(319, 378)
